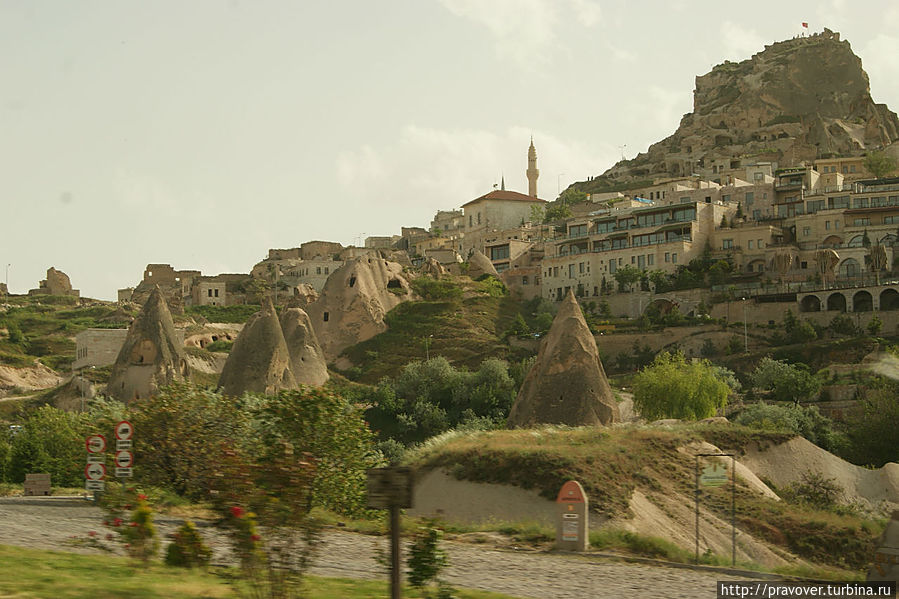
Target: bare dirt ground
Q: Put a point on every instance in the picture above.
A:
(63, 525)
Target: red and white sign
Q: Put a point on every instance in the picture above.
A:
(95, 471)
(96, 444)
(123, 430)
(571, 492)
(124, 459)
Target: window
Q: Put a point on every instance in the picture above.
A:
(555, 271)
(479, 218)
(889, 220)
(827, 225)
(209, 293)
(327, 269)
(806, 231)
(851, 168)
(524, 280)
(577, 230)
(469, 220)
(756, 215)
(216, 293)
(612, 266)
(750, 244)
(860, 202)
(674, 258)
(860, 222)
(571, 271)
(580, 267)
(845, 169)
(750, 196)
(318, 270)
(761, 244)
(499, 253)
(633, 259)
(641, 261)
(650, 259)
(325, 316)
(727, 244)
(667, 257)
(836, 224)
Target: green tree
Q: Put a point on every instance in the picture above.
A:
(572, 196)
(671, 387)
(798, 331)
(807, 422)
(556, 211)
(180, 433)
(626, 276)
(787, 382)
(537, 213)
(333, 432)
(50, 441)
(872, 430)
(879, 164)
(874, 326)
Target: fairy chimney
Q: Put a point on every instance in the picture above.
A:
(307, 362)
(152, 355)
(480, 265)
(567, 383)
(259, 361)
(354, 301)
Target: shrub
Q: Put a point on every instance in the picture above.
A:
(187, 549)
(436, 289)
(130, 516)
(787, 382)
(807, 422)
(51, 441)
(426, 559)
(220, 346)
(842, 324)
(871, 431)
(817, 491)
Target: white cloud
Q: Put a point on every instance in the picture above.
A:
(525, 29)
(428, 169)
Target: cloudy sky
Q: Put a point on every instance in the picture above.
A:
(203, 133)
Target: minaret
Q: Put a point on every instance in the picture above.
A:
(532, 171)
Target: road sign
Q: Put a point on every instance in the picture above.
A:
(124, 459)
(95, 471)
(123, 430)
(96, 458)
(124, 472)
(389, 487)
(96, 444)
(122, 444)
(713, 475)
(94, 485)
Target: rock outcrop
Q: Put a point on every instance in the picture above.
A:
(303, 295)
(152, 355)
(259, 361)
(797, 100)
(307, 362)
(480, 265)
(354, 301)
(433, 268)
(567, 383)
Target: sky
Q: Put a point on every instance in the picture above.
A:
(203, 133)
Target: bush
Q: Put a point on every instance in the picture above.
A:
(671, 387)
(232, 314)
(426, 558)
(187, 549)
(807, 422)
(786, 382)
(872, 430)
(220, 346)
(817, 491)
(436, 289)
(842, 324)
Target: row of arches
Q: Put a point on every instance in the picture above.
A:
(862, 301)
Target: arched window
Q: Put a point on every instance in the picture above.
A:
(850, 268)
(857, 241)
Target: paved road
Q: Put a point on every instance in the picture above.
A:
(51, 524)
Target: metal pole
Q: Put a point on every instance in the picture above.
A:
(697, 509)
(745, 335)
(395, 590)
(733, 510)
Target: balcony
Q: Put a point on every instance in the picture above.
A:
(789, 186)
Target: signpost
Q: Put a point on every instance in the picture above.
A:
(95, 470)
(391, 488)
(96, 444)
(571, 530)
(124, 459)
(715, 475)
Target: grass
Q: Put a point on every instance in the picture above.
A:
(34, 574)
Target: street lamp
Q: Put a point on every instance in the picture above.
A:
(428, 347)
(745, 335)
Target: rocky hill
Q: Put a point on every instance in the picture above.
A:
(797, 100)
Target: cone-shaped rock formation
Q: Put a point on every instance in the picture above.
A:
(259, 361)
(152, 355)
(307, 362)
(354, 301)
(567, 383)
(480, 265)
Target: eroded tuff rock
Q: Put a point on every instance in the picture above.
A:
(480, 265)
(354, 301)
(259, 360)
(797, 100)
(307, 361)
(567, 383)
(433, 268)
(152, 355)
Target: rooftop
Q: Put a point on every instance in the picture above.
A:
(502, 194)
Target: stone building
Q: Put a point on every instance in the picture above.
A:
(56, 283)
(97, 347)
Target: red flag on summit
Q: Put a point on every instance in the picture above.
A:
(805, 25)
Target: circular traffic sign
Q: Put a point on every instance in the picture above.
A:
(96, 444)
(123, 430)
(124, 459)
(95, 471)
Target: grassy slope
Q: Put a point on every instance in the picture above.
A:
(611, 463)
(465, 331)
(28, 573)
(49, 325)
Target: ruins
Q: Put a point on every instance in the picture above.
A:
(56, 283)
